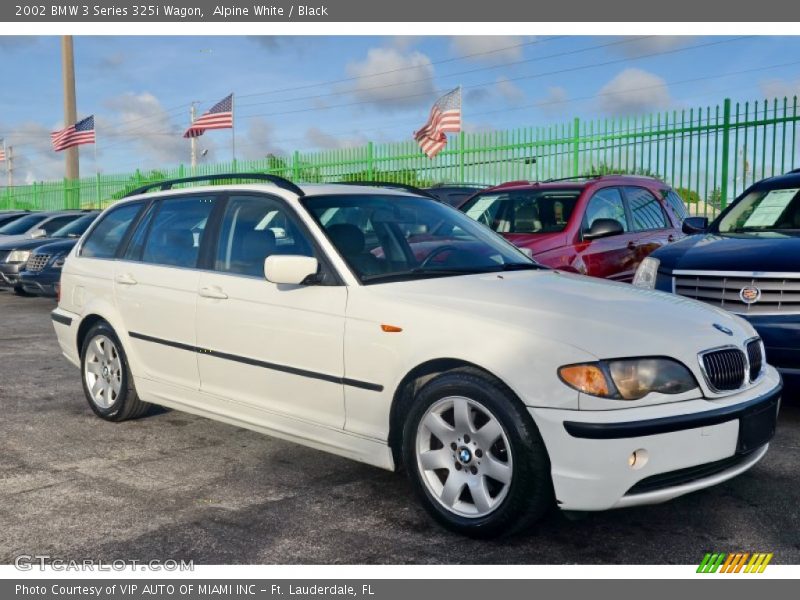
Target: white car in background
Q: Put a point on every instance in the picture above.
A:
(394, 330)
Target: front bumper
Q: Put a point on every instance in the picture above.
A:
(9, 274)
(41, 284)
(781, 335)
(688, 445)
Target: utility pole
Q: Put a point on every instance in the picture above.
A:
(10, 165)
(72, 170)
(193, 140)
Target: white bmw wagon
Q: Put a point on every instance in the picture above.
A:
(381, 325)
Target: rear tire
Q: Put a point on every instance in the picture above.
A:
(107, 378)
(475, 457)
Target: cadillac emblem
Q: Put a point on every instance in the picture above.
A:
(750, 294)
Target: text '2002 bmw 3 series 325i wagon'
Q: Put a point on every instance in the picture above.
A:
(391, 329)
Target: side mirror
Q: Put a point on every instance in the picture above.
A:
(38, 233)
(693, 225)
(290, 269)
(603, 228)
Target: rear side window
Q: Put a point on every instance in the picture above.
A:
(53, 225)
(176, 231)
(606, 204)
(646, 210)
(676, 204)
(104, 239)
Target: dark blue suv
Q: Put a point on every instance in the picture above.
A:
(747, 261)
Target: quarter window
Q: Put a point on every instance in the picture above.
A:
(676, 203)
(646, 210)
(606, 204)
(254, 228)
(176, 232)
(57, 223)
(105, 237)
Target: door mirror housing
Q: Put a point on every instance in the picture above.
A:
(693, 225)
(291, 269)
(603, 228)
(38, 233)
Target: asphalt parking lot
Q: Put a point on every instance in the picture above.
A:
(175, 486)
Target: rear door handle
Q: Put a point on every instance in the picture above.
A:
(632, 245)
(125, 279)
(213, 292)
(670, 238)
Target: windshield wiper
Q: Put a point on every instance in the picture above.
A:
(522, 267)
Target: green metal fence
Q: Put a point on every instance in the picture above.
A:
(709, 154)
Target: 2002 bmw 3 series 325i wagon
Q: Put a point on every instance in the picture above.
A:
(391, 329)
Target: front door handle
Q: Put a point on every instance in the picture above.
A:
(631, 245)
(670, 238)
(213, 292)
(126, 279)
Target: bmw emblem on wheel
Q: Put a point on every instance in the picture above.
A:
(750, 294)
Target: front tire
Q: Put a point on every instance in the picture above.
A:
(107, 379)
(475, 457)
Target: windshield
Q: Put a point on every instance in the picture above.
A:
(763, 210)
(394, 238)
(76, 228)
(523, 211)
(22, 225)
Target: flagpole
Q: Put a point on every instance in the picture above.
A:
(233, 135)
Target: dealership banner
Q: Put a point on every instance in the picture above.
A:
(512, 11)
(389, 589)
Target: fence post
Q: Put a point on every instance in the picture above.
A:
(370, 163)
(726, 138)
(576, 138)
(296, 166)
(97, 190)
(461, 156)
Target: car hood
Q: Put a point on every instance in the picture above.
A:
(604, 318)
(775, 252)
(17, 242)
(61, 246)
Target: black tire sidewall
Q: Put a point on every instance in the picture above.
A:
(116, 409)
(530, 493)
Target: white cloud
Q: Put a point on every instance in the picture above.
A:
(634, 91)
(258, 141)
(553, 102)
(34, 159)
(487, 48)
(780, 88)
(509, 91)
(632, 46)
(389, 78)
(322, 140)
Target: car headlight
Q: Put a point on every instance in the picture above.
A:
(629, 378)
(18, 256)
(59, 261)
(646, 273)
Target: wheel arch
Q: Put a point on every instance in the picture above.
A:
(412, 382)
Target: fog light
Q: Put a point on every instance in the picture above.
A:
(637, 459)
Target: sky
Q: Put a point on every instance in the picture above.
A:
(321, 92)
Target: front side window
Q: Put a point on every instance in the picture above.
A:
(253, 228)
(393, 238)
(176, 232)
(22, 225)
(104, 239)
(523, 211)
(606, 204)
(676, 204)
(646, 210)
(763, 211)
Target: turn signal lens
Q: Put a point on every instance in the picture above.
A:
(391, 328)
(588, 379)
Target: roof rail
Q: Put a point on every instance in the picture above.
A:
(456, 184)
(391, 185)
(574, 178)
(167, 184)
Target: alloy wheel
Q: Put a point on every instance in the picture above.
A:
(103, 371)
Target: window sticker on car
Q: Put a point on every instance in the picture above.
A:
(771, 207)
(481, 206)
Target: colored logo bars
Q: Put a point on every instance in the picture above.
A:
(738, 562)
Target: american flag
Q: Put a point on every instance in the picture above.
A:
(74, 135)
(219, 117)
(2, 151)
(445, 118)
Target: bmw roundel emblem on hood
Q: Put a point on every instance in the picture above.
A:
(750, 294)
(723, 329)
